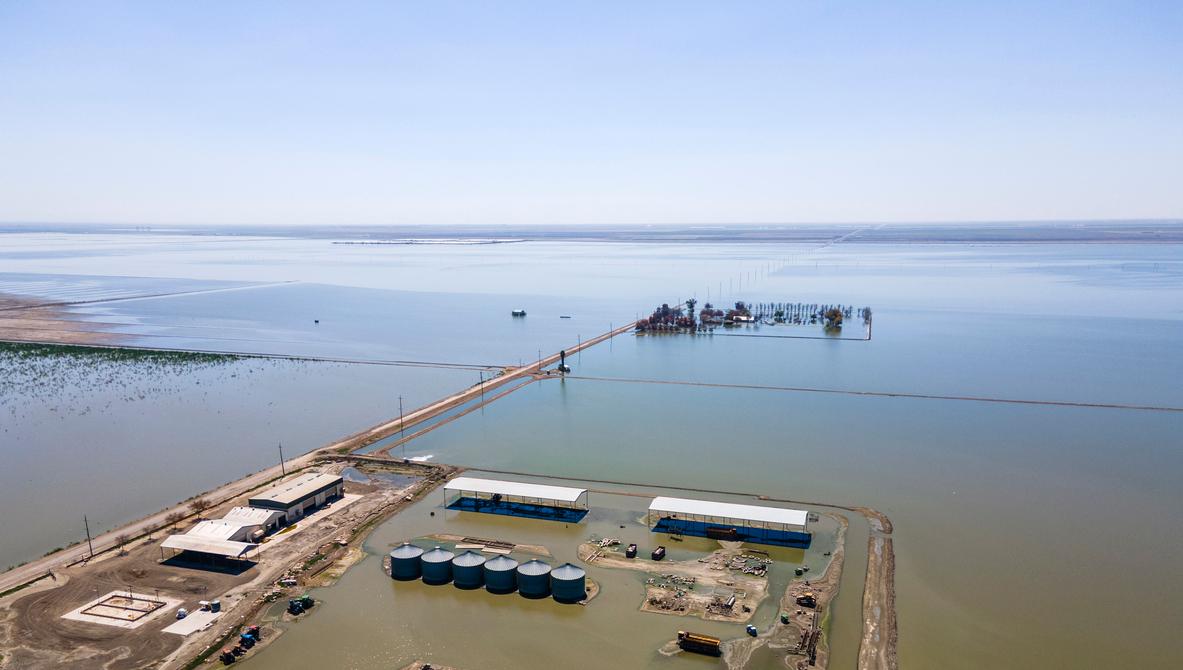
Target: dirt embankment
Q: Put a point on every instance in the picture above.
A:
(880, 634)
(801, 637)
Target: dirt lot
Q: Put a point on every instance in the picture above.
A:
(34, 636)
(670, 590)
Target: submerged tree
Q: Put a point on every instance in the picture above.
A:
(833, 318)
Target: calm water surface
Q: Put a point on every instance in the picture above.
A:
(1027, 536)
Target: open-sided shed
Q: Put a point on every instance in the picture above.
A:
(534, 501)
(730, 521)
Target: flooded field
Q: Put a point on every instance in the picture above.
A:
(120, 434)
(1070, 507)
(378, 622)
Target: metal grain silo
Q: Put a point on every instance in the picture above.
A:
(404, 562)
(534, 579)
(437, 566)
(468, 570)
(568, 583)
(501, 574)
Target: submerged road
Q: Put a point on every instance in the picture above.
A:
(141, 296)
(885, 394)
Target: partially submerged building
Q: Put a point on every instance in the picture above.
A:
(729, 521)
(297, 497)
(533, 501)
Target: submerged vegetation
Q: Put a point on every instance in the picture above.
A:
(76, 380)
(679, 318)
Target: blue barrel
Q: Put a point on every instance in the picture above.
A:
(437, 566)
(404, 562)
(501, 574)
(534, 579)
(468, 570)
(568, 583)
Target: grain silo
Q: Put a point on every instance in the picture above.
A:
(468, 570)
(501, 574)
(534, 579)
(437, 566)
(404, 562)
(568, 583)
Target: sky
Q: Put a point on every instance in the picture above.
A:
(589, 112)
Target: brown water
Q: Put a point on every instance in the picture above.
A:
(372, 621)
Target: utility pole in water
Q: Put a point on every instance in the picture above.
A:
(400, 427)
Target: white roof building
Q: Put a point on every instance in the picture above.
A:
(515, 489)
(720, 512)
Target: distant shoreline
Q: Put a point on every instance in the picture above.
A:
(1166, 231)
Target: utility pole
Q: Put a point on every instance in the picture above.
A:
(282, 468)
(400, 427)
(86, 523)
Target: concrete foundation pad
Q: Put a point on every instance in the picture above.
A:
(194, 623)
(123, 609)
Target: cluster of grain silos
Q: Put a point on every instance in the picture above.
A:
(501, 574)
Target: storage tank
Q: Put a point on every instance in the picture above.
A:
(468, 570)
(437, 566)
(404, 562)
(568, 583)
(501, 574)
(534, 579)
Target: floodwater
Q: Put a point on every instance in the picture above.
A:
(118, 441)
(1030, 536)
(376, 622)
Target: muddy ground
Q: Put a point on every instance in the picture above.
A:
(35, 637)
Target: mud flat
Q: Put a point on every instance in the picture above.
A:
(25, 319)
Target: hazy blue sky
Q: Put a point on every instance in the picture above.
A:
(555, 112)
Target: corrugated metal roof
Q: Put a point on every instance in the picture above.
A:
(208, 546)
(491, 486)
(792, 517)
(534, 567)
(291, 491)
(568, 571)
(253, 515)
(501, 564)
(438, 555)
(217, 529)
(406, 550)
(468, 559)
